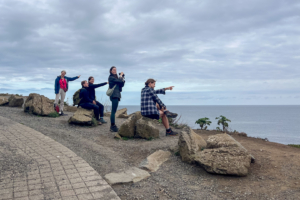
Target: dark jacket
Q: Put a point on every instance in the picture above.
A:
(84, 95)
(57, 86)
(91, 89)
(120, 82)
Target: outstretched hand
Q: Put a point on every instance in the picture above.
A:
(79, 76)
(169, 88)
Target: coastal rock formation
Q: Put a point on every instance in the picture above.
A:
(38, 105)
(82, 116)
(122, 113)
(3, 102)
(70, 108)
(127, 129)
(15, 101)
(131, 175)
(224, 160)
(146, 129)
(152, 162)
(224, 155)
(190, 144)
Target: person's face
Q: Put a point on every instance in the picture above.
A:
(114, 71)
(63, 73)
(86, 84)
(152, 85)
(92, 80)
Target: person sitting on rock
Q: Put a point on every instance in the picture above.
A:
(60, 88)
(152, 107)
(88, 103)
(91, 90)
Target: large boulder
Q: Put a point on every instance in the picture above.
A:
(146, 129)
(3, 102)
(82, 116)
(122, 113)
(190, 144)
(224, 160)
(152, 162)
(127, 129)
(224, 140)
(15, 101)
(70, 108)
(38, 105)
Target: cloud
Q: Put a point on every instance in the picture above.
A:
(196, 46)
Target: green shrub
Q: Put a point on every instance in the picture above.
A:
(94, 122)
(53, 114)
(294, 145)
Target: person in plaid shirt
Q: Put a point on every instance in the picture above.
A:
(152, 107)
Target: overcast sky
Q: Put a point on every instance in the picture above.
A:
(214, 52)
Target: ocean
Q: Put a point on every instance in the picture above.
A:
(279, 124)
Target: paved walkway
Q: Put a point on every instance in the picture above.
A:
(33, 166)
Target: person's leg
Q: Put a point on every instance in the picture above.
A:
(92, 106)
(115, 103)
(62, 99)
(164, 119)
(101, 111)
(56, 99)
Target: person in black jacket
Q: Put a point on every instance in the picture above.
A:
(113, 80)
(88, 103)
(92, 95)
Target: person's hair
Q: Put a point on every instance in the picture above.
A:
(63, 71)
(150, 80)
(83, 82)
(115, 75)
(90, 78)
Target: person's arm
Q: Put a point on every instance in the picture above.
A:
(98, 85)
(119, 81)
(160, 91)
(156, 99)
(73, 79)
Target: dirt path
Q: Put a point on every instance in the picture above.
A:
(275, 175)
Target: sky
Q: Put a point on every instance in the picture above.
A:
(214, 52)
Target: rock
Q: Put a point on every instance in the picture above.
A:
(3, 102)
(15, 101)
(146, 129)
(82, 116)
(107, 114)
(38, 105)
(122, 113)
(190, 144)
(127, 129)
(131, 175)
(123, 116)
(153, 161)
(224, 140)
(117, 136)
(70, 108)
(225, 160)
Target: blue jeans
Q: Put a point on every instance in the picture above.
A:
(114, 107)
(91, 106)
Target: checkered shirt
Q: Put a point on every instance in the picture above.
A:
(149, 100)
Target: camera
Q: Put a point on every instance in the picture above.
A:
(120, 74)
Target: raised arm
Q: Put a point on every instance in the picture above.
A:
(73, 79)
(160, 91)
(97, 85)
(115, 80)
(156, 99)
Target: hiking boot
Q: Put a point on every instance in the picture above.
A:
(114, 128)
(171, 133)
(102, 121)
(170, 114)
(62, 114)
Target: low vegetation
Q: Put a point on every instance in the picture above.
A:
(203, 122)
(294, 145)
(223, 121)
(53, 114)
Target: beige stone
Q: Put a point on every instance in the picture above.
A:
(3, 101)
(82, 116)
(15, 101)
(127, 129)
(152, 162)
(117, 136)
(122, 113)
(70, 108)
(225, 160)
(145, 128)
(131, 175)
(38, 105)
(190, 144)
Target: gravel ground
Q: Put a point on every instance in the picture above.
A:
(275, 175)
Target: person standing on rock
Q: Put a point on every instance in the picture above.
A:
(92, 94)
(86, 102)
(119, 82)
(152, 107)
(61, 88)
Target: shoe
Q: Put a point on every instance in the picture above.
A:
(170, 114)
(102, 121)
(171, 133)
(62, 114)
(114, 128)
(99, 122)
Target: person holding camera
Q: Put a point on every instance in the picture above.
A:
(152, 107)
(118, 82)
(92, 95)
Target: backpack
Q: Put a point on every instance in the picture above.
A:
(76, 97)
(57, 108)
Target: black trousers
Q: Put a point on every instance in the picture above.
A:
(91, 106)
(101, 108)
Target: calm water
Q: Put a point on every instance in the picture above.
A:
(277, 123)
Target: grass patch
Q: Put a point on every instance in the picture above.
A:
(150, 138)
(127, 138)
(94, 122)
(53, 114)
(294, 145)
